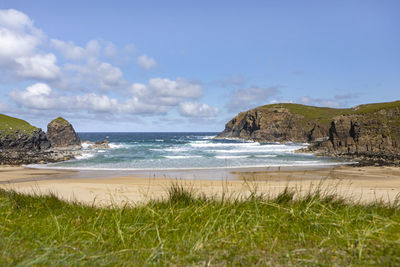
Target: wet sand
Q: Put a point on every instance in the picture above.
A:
(364, 184)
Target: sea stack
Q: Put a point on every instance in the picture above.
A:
(62, 135)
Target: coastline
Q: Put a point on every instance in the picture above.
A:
(364, 184)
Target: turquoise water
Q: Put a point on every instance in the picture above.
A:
(152, 151)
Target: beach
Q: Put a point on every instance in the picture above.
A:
(102, 188)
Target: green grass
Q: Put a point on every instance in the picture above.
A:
(317, 229)
(60, 120)
(9, 126)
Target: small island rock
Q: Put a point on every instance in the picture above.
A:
(62, 135)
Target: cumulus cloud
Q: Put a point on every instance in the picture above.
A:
(251, 97)
(165, 92)
(38, 66)
(73, 52)
(96, 75)
(195, 109)
(37, 96)
(88, 81)
(19, 53)
(153, 98)
(41, 96)
(146, 62)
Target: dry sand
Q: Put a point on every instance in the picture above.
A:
(365, 184)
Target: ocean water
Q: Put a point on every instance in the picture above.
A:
(162, 151)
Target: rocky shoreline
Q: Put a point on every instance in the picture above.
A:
(16, 158)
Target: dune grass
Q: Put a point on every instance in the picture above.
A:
(186, 229)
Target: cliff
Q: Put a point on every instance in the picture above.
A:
(22, 143)
(366, 131)
(16, 134)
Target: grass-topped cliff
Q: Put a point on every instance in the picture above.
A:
(325, 115)
(10, 126)
(370, 129)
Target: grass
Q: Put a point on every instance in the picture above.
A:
(60, 120)
(185, 229)
(9, 126)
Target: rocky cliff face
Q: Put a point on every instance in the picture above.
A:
(22, 143)
(274, 124)
(368, 136)
(62, 135)
(367, 131)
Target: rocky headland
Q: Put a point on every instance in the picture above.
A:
(367, 133)
(22, 143)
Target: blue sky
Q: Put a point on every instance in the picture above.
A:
(191, 65)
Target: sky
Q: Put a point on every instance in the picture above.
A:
(170, 66)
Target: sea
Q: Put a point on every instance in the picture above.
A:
(180, 151)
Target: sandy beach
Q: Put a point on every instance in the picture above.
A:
(363, 184)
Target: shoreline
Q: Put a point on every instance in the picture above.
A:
(186, 173)
(365, 184)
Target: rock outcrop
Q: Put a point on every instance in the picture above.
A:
(367, 132)
(274, 125)
(62, 135)
(97, 145)
(22, 143)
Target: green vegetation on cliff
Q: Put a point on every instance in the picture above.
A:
(10, 126)
(324, 115)
(318, 229)
(60, 120)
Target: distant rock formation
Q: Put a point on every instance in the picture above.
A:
(273, 125)
(97, 145)
(62, 135)
(22, 143)
(366, 132)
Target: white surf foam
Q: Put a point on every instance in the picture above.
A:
(85, 156)
(181, 157)
(231, 157)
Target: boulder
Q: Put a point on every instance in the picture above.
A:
(62, 135)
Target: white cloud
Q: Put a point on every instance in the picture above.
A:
(40, 96)
(165, 92)
(146, 62)
(88, 81)
(251, 97)
(14, 19)
(195, 109)
(96, 75)
(19, 55)
(69, 50)
(38, 66)
(37, 96)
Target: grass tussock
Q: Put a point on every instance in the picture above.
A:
(317, 228)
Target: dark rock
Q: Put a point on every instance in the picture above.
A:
(21, 141)
(62, 135)
(273, 124)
